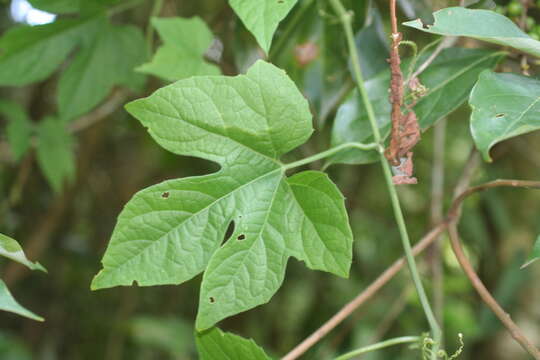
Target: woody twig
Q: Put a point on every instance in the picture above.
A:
(405, 130)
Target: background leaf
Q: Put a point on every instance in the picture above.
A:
(71, 6)
(214, 344)
(56, 6)
(108, 58)
(170, 334)
(449, 80)
(262, 17)
(19, 127)
(8, 303)
(483, 25)
(535, 254)
(31, 53)
(504, 106)
(11, 249)
(55, 152)
(172, 231)
(184, 43)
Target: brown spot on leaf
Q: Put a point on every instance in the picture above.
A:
(165, 195)
(212, 300)
(241, 237)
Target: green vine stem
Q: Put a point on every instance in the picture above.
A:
(380, 345)
(346, 20)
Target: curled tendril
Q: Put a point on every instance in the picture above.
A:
(427, 346)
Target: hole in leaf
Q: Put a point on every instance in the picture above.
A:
(165, 195)
(500, 115)
(241, 237)
(228, 233)
(212, 300)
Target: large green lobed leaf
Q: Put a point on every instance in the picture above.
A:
(483, 25)
(215, 344)
(504, 106)
(262, 17)
(170, 232)
(184, 43)
(449, 80)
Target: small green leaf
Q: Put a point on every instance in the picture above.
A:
(184, 43)
(11, 249)
(55, 152)
(31, 53)
(449, 81)
(9, 304)
(262, 17)
(71, 6)
(106, 59)
(535, 254)
(56, 6)
(483, 25)
(504, 106)
(215, 344)
(19, 128)
(170, 232)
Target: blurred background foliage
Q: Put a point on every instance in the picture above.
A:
(67, 230)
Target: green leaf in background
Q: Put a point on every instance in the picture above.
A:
(535, 254)
(19, 128)
(184, 43)
(170, 232)
(14, 347)
(107, 59)
(372, 44)
(9, 304)
(360, 9)
(56, 6)
(11, 249)
(31, 53)
(504, 106)
(172, 335)
(215, 344)
(55, 152)
(262, 17)
(71, 6)
(449, 80)
(483, 25)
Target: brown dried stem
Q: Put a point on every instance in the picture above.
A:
(363, 297)
(451, 220)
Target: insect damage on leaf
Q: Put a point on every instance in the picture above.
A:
(244, 123)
